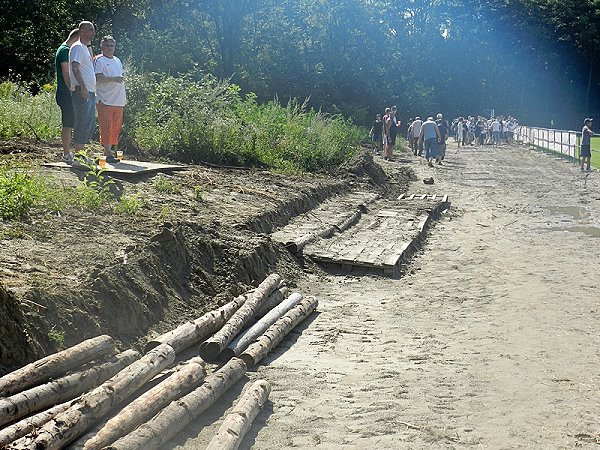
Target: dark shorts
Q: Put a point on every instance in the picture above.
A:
(63, 100)
(585, 151)
(392, 140)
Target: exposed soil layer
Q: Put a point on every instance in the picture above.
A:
(80, 273)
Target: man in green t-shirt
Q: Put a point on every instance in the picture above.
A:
(63, 92)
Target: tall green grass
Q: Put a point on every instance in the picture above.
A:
(206, 120)
(27, 115)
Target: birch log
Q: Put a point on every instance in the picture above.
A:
(211, 348)
(27, 425)
(178, 414)
(191, 333)
(297, 245)
(55, 365)
(62, 389)
(271, 302)
(238, 422)
(72, 423)
(240, 343)
(276, 332)
(186, 378)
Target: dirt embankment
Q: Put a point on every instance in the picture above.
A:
(80, 273)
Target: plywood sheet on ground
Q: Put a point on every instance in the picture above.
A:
(124, 167)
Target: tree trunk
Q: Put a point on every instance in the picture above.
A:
(240, 343)
(55, 365)
(26, 426)
(297, 245)
(41, 397)
(239, 420)
(69, 425)
(276, 332)
(191, 333)
(166, 424)
(186, 378)
(211, 348)
(271, 302)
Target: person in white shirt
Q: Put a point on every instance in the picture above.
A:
(416, 132)
(83, 88)
(110, 96)
(495, 132)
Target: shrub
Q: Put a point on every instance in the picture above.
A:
(18, 192)
(24, 114)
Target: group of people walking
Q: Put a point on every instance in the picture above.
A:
(480, 130)
(87, 83)
(430, 135)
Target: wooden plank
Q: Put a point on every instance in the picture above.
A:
(412, 196)
(402, 196)
(423, 197)
(433, 197)
(124, 167)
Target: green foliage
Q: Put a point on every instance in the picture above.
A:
(58, 338)
(129, 205)
(18, 192)
(27, 115)
(94, 190)
(166, 186)
(207, 120)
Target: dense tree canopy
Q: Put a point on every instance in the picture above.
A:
(536, 59)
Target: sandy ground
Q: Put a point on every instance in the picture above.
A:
(490, 340)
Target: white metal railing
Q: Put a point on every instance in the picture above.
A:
(559, 141)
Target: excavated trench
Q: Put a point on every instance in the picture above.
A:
(180, 272)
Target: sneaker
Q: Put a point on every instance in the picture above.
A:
(581, 170)
(429, 164)
(112, 160)
(589, 169)
(69, 157)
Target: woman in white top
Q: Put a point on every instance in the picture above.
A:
(110, 95)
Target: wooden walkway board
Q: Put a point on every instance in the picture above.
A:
(124, 167)
(382, 240)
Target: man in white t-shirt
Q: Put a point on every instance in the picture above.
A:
(495, 131)
(416, 132)
(110, 96)
(83, 87)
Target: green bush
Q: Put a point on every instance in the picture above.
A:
(27, 115)
(207, 121)
(18, 192)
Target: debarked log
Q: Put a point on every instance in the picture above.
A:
(72, 423)
(211, 348)
(297, 245)
(56, 365)
(271, 302)
(349, 221)
(27, 425)
(276, 332)
(191, 333)
(62, 389)
(185, 378)
(178, 414)
(240, 343)
(239, 420)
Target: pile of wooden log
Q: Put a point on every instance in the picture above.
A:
(90, 397)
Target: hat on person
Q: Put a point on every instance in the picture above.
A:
(439, 116)
(588, 120)
(430, 118)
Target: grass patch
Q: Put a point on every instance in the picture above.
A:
(26, 115)
(165, 186)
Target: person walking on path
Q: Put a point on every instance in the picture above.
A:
(110, 96)
(392, 133)
(376, 133)
(83, 87)
(430, 136)
(585, 151)
(416, 132)
(496, 132)
(63, 92)
(440, 153)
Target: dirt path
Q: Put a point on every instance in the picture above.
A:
(489, 341)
